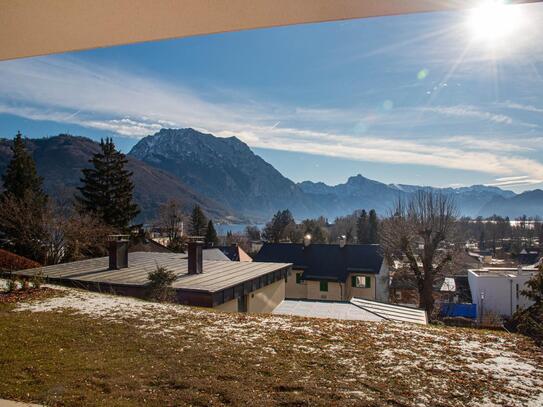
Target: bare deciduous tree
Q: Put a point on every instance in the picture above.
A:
(419, 232)
(170, 219)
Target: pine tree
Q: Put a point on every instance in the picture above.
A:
(198, 222)
(23, 204)
(211, 238)
(373, 228)
(362, 234)
(21, 176)
(280, 228)
(107, 188)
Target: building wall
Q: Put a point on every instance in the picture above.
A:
(335, 291)
(267, 298)
(379, 289)
(293, 290)
(382, 283)
(263, 300)
(229, 306)
(500, 293)
(365, 293)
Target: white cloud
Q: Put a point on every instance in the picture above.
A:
(526, 108)
(68, 91)
(522, 180)
(469, 112)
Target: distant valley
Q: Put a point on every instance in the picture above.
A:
(233, 184)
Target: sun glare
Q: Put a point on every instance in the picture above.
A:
(495, 21)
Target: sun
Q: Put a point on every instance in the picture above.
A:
(494, 22)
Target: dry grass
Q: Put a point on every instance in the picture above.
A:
(94, 349)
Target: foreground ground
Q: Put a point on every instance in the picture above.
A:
(78, 348)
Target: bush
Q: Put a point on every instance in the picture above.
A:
(37, 279)
(13, 284)
(159, 285)
(529, 322)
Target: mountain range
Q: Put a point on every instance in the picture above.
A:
(233, 184)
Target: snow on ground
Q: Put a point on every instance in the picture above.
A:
(452, 365)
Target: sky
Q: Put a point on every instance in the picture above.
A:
(441, 99)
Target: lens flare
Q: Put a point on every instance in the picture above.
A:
(494, 21)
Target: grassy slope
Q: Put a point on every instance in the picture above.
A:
(93, 349)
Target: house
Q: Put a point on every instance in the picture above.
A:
(222, 285)
(499, 290)
(331, 272)
(530, 256)
(234, 252)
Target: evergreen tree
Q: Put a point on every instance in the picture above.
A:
(107, 188)
(373, 228)
(362, 232)
(21, 176)
(198, 222)
(281, 227)
(23, 205)
(211, 238)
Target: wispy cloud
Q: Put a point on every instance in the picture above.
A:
(526, 108)
(135, 106)
(467, 111)
(523, 180)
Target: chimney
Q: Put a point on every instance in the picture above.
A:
(195, 258)
(307, 240)
(342, 241)
(118, 251)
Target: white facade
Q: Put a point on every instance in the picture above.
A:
(498, 290)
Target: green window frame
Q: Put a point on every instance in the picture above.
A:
(324, 285)
(298, 278)
(367, 282)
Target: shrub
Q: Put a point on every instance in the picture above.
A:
(13, 284)
(159, 285)
(37, 279)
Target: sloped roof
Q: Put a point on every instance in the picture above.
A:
(234, 253)
(11, 262)
(324, 261)
(392, 312)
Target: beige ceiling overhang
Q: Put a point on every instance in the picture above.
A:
(39, 27)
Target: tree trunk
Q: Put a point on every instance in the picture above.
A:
(426, 294)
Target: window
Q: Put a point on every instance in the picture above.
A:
(298, 278)
(324, 285)
(361, 282)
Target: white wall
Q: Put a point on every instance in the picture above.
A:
(500, 292)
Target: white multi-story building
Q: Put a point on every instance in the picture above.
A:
(499, 290)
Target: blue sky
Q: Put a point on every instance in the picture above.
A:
(420, 99)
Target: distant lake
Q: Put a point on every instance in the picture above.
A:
(235, 228)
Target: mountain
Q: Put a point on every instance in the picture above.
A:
(529, 203)
(360, 192)
(225, 170)
(59, 161)
(233, 184)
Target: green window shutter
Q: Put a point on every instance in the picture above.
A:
(298, 278)
(324, 285)
(368, 282)
(353, 281)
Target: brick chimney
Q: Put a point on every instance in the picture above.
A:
(195, 257)
(118, 251)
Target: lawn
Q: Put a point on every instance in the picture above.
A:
(77, 348)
